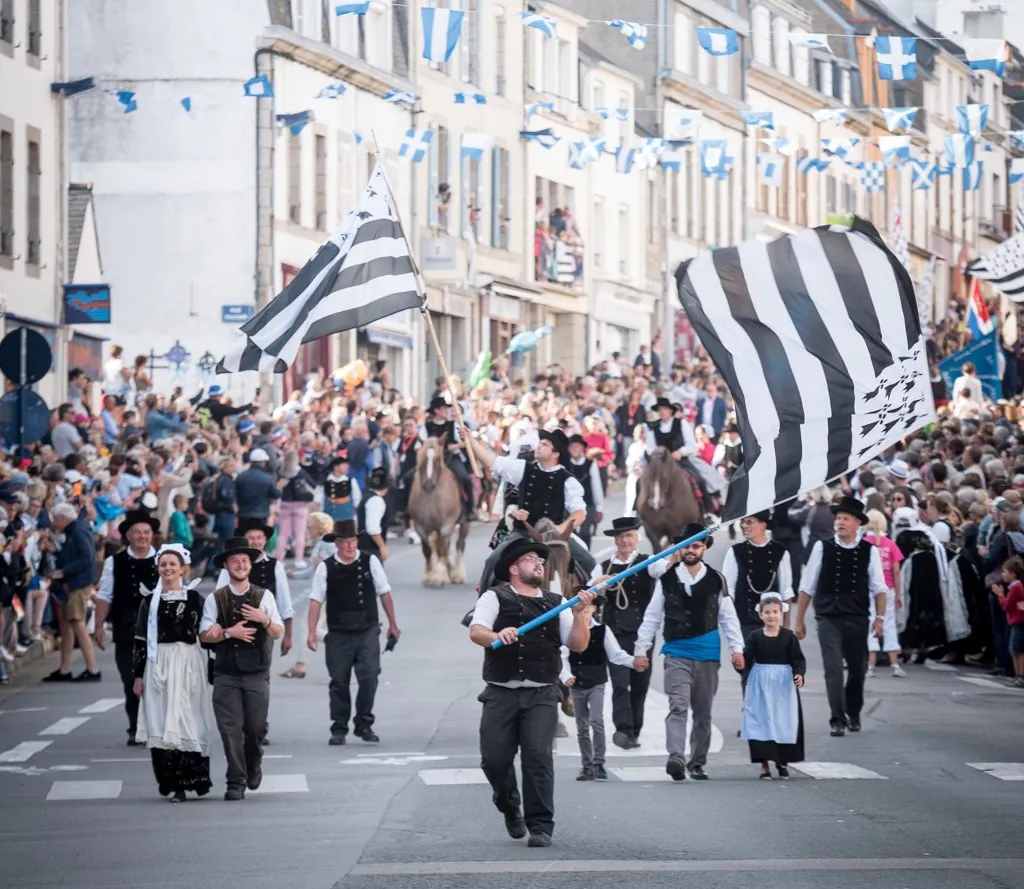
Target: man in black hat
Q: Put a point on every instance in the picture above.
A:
(754, 566)
(585, 471)
(372, 515)
(841, 576)
(676, 436)
(520, 701)
(119, 596)
(242, 620)
(624, 610)
(348, 585)
(441, 425)
(694, 601)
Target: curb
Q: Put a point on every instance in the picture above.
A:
(39, 649)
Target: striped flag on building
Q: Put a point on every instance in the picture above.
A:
(1003, 268)
(363, 272)
(818, 338)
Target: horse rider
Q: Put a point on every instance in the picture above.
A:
(372, 516)
(676, 436)
(408, 453)
(525, 448)
(585, 471)
(441, 425)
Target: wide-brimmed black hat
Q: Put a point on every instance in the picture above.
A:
(342, 457)
(556, 437)
(438, 402)
(577, 439)
(245, 525)
(621, 526)
(765, 515)
(664, 402)
(345, 529)
(515, 551)
(378, 478)
(234, 547)
(137, 517)
(851, 506)
(689, 530)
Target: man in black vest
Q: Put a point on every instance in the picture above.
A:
(841, 576)
(585, 471)
(754, 566)
(119, 597)
(521, 697)
(372, 516)
(694, 602)
(242, 621)
(676, 436)
(347, 585)
(441, 425)
(623, 613)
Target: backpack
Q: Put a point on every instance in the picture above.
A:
(208, 497)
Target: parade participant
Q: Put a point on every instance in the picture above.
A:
(586, 472)
(372, 516)
(924, 574)
(347, 586)
(754, 566)
(623, 613)
(520, 700)
(176, 719)
(676, 436)
(408, 452)
(119, 596)
(842, 575)
(891, 558)
(773, 720)
(694, 602)
(524, 448)
(341, 493)
(589, 675)
(441, 425)
(241, 620)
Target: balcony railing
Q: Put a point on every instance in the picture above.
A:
(558, 256)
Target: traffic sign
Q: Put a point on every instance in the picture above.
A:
(25, 356)
(24, 417)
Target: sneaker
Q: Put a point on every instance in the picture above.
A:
(698, 773)
(539, 841)
(6, 655)
(623, 740)
(600, 774)
(870, 673)
(87, 676)
(586, 774)
(676, 768)
(19, 650)
(515, 825)
(838, 730)
(783, 771)
(57, 676)
(898, 672)
(853, 724)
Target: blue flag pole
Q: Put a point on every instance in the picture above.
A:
(569, 603)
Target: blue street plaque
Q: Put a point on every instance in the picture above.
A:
(235, 314)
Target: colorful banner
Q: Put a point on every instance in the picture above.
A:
(984, 354)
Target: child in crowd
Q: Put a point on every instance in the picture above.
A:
(891, 557)
(1011, 597)
(180, 531)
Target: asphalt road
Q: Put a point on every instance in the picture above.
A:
(930, 794)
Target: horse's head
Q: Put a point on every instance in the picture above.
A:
(557, 576)
(430, 464)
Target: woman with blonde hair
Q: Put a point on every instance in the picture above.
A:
(891, 557)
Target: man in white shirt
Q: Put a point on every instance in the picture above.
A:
(754, 566)
(969, 381)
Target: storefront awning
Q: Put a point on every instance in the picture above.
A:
(388, 338)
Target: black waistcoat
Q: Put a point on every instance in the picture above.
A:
(673, 439)
(351, 600)
(581, 472)
(542, 493)
(757, 571)
(537, 656)
(590, 666)
(264, 574)
(637, 588)
(842, 589)
(687, 617)
(366, 543)
(235, 657)
(338, 491)
(129, 573)
(445, 429)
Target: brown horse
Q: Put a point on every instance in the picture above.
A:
(435, 507)
(665, 500)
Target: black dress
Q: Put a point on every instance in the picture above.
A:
(926, 624)
(781, 649)
(177, 621)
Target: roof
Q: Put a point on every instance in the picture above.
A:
(79, 199)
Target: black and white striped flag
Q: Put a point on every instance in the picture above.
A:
(1003, 268)
(817, 335)
(363, 272)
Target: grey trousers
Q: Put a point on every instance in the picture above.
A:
(240, 704)
(689, 685)
(346, 653)
(588, 705)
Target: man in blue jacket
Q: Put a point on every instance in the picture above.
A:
(76, 575)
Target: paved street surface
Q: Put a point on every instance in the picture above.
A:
(930, 794)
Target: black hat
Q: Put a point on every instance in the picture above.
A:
(664, 402)
(689, 530)
(343, 530)
(851, 506)
(556, 437)
(235, 546)
(137, 517)
(245, 525)
(765, 515)
(621, 526)
(342, 457)
(438, 402)
(378, 478)
(577, 439)
(515, 551)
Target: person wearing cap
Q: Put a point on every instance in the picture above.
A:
(241, 620)
(441, 425)
(586, 472)
(341, 492)
(256, 489)
(623, 613)
(521, 697)
(693, 601)
(677, 437)
(347, 586)
(372, 517)
(755, 566)
(842, 576)
(119, 596)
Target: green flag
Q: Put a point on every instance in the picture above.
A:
(482, 369)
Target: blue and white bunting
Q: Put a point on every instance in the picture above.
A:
(945, 169)
(441, 30)
(126, 99)
(545, 138)
(829, 115)
(415, 144)
(476, 145)
(899, 118)
(763, 120)
(618, 113)
(331, 91)
(685, 126)
(872, 176)
(186, 103)
(781, 146)
(352, 8)
(810, 41)
(1016, 139)
(1016, 170)
(923, 173)
(723, 172)
(400, 97)
(895, 149)
(959, 150)
(649, 152)
(672, 159)
(259, 87)
(466, 98)
(972, 119)
(986, 55)
(624, 159)
(770, 168)
(839, 148)
(718, 41)
(534, 107)
(806, 164)
(713, 156)
(634, 32)
(296, 122)
(543, 24)
(897, 57)
(972, 176)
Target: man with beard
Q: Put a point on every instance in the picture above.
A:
(119, 597)
(754, 566)
(520, 701)
(694, 602)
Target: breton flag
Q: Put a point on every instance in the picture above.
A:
(979, 322)
(363, 272)
(818, 338)
(1003, 268)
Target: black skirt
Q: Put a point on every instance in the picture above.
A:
(177, 770)
(783, 754)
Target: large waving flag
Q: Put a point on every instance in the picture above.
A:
(979, 322)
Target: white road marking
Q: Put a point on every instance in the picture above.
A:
(65, 726)
(283, 784)
(24, 751)
(827, 771)
(391, 760)
(1004, 771)
(70, 768)
(122, 759)
(64, 791)
(438, 777)
(103, 705)
(24, 710)
(990, 684)
(939, 668)
(277, 756)
(374, 755)
(646, 774)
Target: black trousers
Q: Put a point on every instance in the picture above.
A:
(522, 719)
(456, 465)
(240, 704)
(844, 638)
(345, 653)
(629, 690)
(123, 653)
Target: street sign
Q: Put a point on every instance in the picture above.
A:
(235, 314)
(86, 303)
(24, 417)
(25, 356)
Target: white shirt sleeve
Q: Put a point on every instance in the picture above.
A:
(689, 440)
(565, 624)
(380, 579)
(223, 579)
(730, 623)
(374, 514)
(357, 494)
(209, 617)
(785, 578)
(941, 532)
(318, 589)
(596, 488)
(486, 611)
(614, 651)
(652, 620)
(730, 570)
(268, 605)
(105, 591)
(574, 501)
(566, 671)
(651, 444)
(510, 469)
(876, 576)
(597, 572)
(809, 576)
(659, 568)
(284, 592)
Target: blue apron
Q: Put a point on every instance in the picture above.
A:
(771, 709)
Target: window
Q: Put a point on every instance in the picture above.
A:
(705, 73)
(781, 50)
(692, 193)
(320, 185)
(500, 169)
(724, 196)
(761, 21)
(845, 88)
(295, 178)
(6, 193)
(35, 28)
(823, 68)
(598, 233)
(685, 43)
(443, 67)
(306, 15)
(652, 213)
(442, 194)
(470, 42)
(471, 209)
(724, 74)
(399, 39)
(624, 238)
(7, 21)
(346, 201)
(499, 50)
(801, 61)
(783, 211)
(831, 194)
(34, 172)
